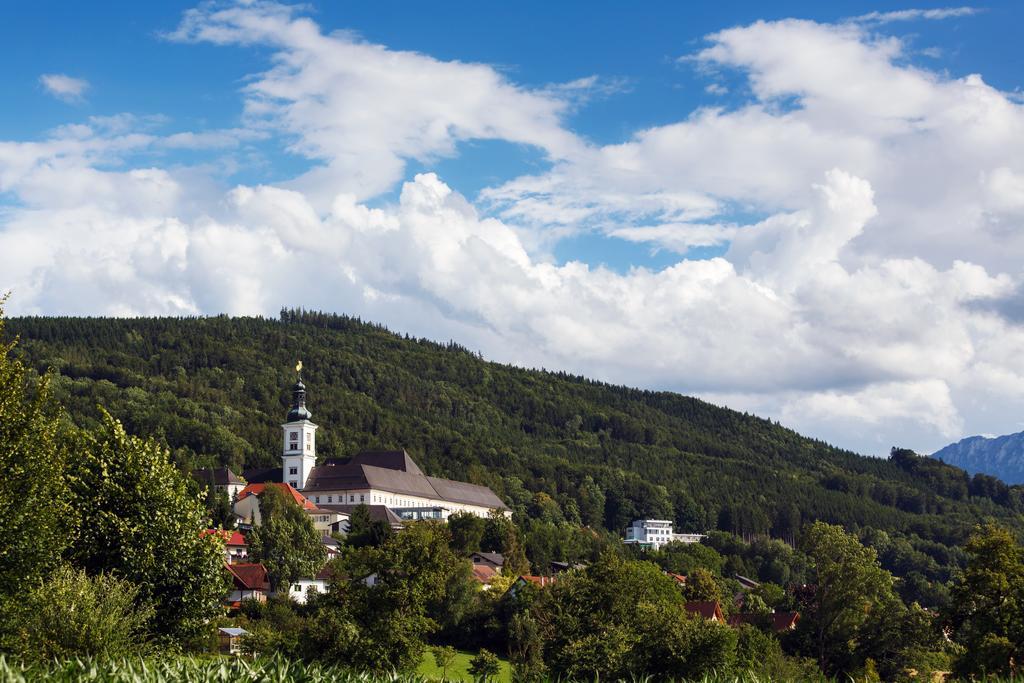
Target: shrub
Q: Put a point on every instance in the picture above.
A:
(72, 614)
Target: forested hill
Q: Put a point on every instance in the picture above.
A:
(216, 390)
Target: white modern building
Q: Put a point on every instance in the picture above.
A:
(654, 533)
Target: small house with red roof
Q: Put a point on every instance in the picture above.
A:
(247, 507)
(250, 581)
(235, 547)
(708, 609)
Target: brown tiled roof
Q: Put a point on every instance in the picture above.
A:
(249, 576)
(389, 460)
(484, 573)
(709, 609)
(395, 471)
(462, 492)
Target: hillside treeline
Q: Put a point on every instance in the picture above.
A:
(560, 449)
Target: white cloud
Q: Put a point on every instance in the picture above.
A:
(916, 14)
(360, 111)
(866, 303)
(64, 87)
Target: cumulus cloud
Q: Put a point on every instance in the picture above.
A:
(64, 87)
(866, 301)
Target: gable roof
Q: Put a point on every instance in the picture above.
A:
(396, 472)
(261, 475)
(389, 460)
(709, 609)
(493, 558)
(258, 489)
(233, 631)
(230, 537)
(217, 476)
(249, 576)
(378, 513)
(484, 573)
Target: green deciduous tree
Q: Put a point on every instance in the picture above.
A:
(364, 531)
(620, 618)
(382, 627)
(286, 542)
(851, 588)
(140, 523)
(36, 516)
(987, 611)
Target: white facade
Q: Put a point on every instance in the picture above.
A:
(397, 500)
(303, 587)
(324, 519)
(298, 452)
(655, 533)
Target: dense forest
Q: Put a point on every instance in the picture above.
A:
(557, 447)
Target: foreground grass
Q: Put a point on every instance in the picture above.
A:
(276, 670)
(459, 669)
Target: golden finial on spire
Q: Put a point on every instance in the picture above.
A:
(298, 366)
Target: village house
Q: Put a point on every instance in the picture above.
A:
(230, 640)
(301, 589)
(249, 582)
(247, 507)
(493, 560)
(235, 547)
(324, 519)
(221, 479)
(709, 609)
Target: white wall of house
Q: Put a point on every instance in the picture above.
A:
(653, 532)
(301, 588)
(237, 595)
(323, 519)
(298, 452)
(248, 510)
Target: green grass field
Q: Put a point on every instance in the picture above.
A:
(459, 669)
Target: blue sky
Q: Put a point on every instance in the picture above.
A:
(807, 210)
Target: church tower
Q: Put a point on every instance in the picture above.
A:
(298, 455)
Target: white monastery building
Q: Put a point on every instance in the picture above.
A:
(374, 478)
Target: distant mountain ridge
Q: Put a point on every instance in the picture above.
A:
(1002, 456)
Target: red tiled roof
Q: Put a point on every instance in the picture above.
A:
(249, 576)
(257, 489)
(679, 578)
(484, 573)
(709, 609)
(229, 537)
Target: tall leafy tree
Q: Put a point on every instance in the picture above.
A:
(987, 611)
(381, 625)
(850, 588)
(286, 542)
(140, 523)
(36, 515)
